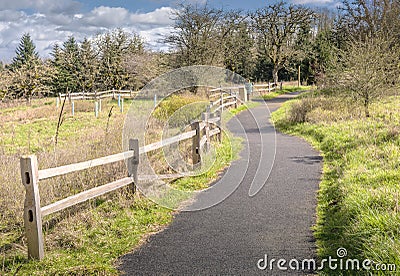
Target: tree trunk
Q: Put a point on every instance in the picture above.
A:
(275, 75)
(366, 108)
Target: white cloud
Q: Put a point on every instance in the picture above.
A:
(161, 16)
(48, 25)
(106, 17)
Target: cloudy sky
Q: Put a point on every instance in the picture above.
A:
(52, 21)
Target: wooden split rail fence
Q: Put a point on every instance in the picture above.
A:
(243, 91)
(201, 134)
(98, 95)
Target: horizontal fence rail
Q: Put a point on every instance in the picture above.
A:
(99, 95)
(200, 134)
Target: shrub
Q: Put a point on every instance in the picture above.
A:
(169, 109)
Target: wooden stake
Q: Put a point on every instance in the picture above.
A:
(133, 162)
(196, 144)
(32, 212)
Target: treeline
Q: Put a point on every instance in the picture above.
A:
(114, 60)
(353, 49)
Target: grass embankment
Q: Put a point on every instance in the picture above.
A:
(358, 200)
(285, 89)
(89, 238)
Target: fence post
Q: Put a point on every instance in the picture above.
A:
(96, 109)
(219, 124)
(32, 212)
(222, 101)
(133, 162)
(243, 94)
(99, 105)
(196, 144)
(205, 117)
(119, 100)
(73, 108)
(122, 105)
(236, 101)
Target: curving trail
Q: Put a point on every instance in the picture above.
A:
(230, 238)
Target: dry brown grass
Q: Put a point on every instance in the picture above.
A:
(81, 138)
(76, 146)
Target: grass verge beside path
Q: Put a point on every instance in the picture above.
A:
(285, 89)
(358, 201)
(90, 240)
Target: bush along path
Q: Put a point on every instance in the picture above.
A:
(242, 234)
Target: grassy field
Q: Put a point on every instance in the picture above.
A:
(88, 238)
(358, 200)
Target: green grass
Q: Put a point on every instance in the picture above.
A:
(285, 89)
(358, 201)
(84, 250)
(33, 128)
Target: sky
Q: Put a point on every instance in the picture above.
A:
(50, 22)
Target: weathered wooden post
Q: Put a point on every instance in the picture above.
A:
(219, 125)
(205, 117)
(69, 95)
(133, 162)
(96, 109)
(236, 101)
(32, 212)
(243, 94)
(73, 109)
(196, 144)
(222, 101)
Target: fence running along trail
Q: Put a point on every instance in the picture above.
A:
(201, 134)
(98, 95)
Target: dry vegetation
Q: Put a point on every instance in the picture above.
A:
(90, 237)
(30, 129)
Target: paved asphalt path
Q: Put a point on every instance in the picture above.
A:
(232, 236)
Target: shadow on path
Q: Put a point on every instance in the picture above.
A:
(231, 237)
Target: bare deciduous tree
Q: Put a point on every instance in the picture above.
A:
(200, 34)
(367, 70)
(276, 28)
(366, 17)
